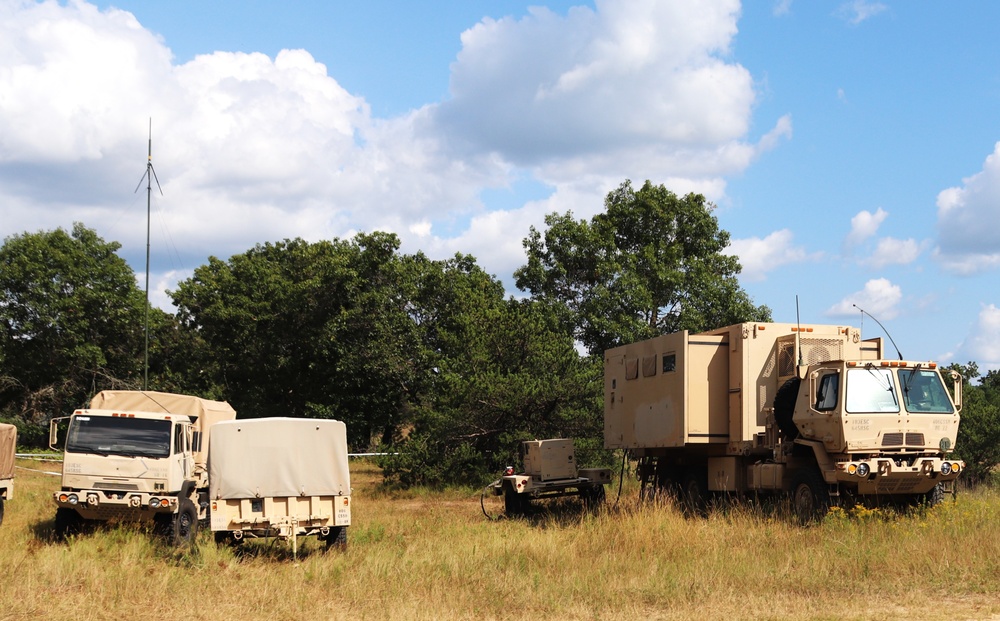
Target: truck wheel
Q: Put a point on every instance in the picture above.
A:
(337, 539)
(694, 494)
(934, 497)
(810, 497)
(68, 522)
(784, 408)
(184, 524)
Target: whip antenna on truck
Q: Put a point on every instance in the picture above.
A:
(863, 313)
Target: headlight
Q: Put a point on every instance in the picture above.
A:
(72, 499)
(946, 468)
(863, 470)
(154, 503)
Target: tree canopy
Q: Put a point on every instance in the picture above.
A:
(71, 320)
(651, 263)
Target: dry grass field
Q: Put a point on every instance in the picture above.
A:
(428, 555)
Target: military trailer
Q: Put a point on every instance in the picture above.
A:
(8, 446)
(550, 471)
(812, 411)
(280, 477)
(137, 456)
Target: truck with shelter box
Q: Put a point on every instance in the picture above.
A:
(813, 411)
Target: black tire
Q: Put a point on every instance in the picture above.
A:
(68, 522)
(593, 497)
(184, 524)
(693, 493)
(932, 498)
(784, 408)
(337, 539)
(810, 496)
(514, 504)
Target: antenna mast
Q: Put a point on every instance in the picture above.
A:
(149, 176)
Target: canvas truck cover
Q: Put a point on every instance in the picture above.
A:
(8, 439)
(203, 412)
(278, 457)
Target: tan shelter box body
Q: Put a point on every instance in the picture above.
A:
(715, 387)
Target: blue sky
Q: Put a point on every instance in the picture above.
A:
(852, 148)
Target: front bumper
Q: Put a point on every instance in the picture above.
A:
(93, 504)
(895, 475)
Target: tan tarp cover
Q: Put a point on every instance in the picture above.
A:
(8, 442)
(278, 457)
(206, 412)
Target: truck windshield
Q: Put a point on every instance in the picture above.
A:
(923, 391)
(871, 390)
(130, 437)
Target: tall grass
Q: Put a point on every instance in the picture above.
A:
(425, 555)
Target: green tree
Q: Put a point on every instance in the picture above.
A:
(652, 263)
(311, 329)
(978, 442)
(506, 372)
(71, 322)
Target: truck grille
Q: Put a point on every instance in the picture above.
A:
(121, 486)
(892, 439)
(897, 439)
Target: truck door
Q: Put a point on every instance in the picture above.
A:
(182, 449)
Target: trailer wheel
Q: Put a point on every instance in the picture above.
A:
(184, 525)
(593, 496)
(514, 504)
(784, 408)
(810, 497)
(68, 522)
(337, 539)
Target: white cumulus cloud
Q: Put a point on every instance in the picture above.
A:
(879, 297)
(863, 226)
(251, 148)
(892, 251)
(758, 256)
(969, 238)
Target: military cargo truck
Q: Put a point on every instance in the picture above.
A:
(137, 456)
(813, 411)
(8, 446)
(282, 478)
(550, 471)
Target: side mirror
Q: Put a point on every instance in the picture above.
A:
(57, 425)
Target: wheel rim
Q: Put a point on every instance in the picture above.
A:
(184, 525)
(805, 502)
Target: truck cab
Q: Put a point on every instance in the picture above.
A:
(887, 427)
(125, 465)
(136, 456)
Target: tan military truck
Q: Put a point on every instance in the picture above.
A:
(813, 411)
(550, 471)
(8, 446)
(137, 456)
(280, 477)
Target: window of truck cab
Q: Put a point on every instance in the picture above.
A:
(123, 436)
(923, 391)
(871, 390)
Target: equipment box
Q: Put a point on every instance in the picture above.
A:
(549, 460)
